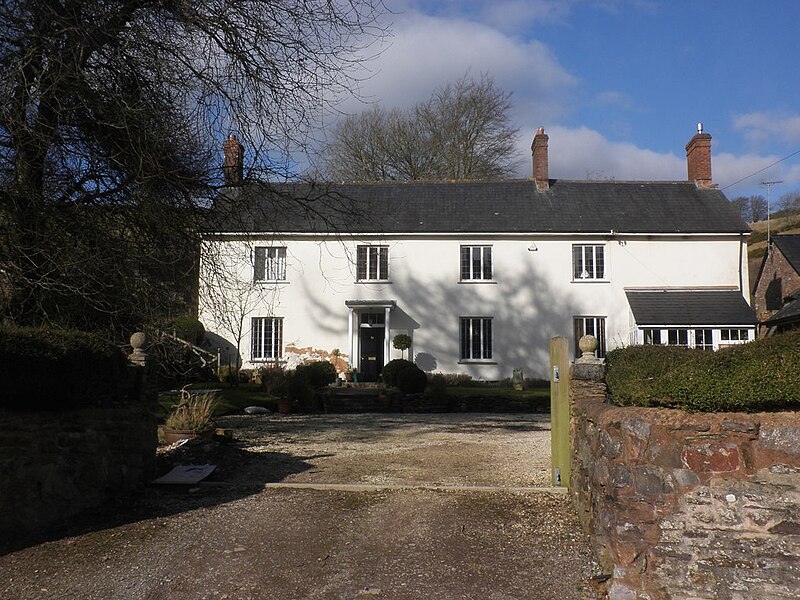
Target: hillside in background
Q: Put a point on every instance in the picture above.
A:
(782, 222)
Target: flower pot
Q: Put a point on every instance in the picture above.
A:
(175, 435)
(284, 406)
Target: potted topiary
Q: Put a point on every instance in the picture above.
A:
(190, 418)
(402, 342)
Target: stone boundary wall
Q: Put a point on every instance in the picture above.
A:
(688, 505)
(55, 464)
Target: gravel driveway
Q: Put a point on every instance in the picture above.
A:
(332, 506)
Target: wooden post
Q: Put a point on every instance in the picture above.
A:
(559, 412)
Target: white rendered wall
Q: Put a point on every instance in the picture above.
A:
(531, 299)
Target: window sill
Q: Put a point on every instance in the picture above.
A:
(591, 281)
(372, 281)
(270, 281)
(476, 362)
(477, 281)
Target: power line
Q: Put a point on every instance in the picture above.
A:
(762, 170)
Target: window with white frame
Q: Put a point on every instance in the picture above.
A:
(270, 263)
(588, 262)
(708, 339)
(476, 338)
(372, 263)
(734, 336)
(651, 337)
(678, 337)
(595, 326)
(703, 339)
(476, 263)
(266, 338)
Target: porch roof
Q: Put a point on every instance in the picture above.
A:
(690, 307)
(370, 303)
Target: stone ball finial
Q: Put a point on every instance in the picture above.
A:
(138, 340)
(588, 344)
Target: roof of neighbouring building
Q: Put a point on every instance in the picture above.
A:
(789, 245)
(690, 307)
(477, 207)
(790, 311)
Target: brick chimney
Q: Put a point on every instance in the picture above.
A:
(539, 153)
(233, 164)
(698, 158)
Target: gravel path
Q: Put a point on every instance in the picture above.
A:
(405, 533)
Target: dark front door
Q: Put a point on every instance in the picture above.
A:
(371, 353)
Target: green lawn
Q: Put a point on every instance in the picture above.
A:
(230, 399)
(234, 399)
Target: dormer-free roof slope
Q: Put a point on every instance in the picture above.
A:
(481, 207)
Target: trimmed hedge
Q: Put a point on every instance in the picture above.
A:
(46, 369)
(405, 375)
(412, 381)
(761, 375)
(392, 369)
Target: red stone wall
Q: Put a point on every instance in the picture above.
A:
(778, 278)
(683, 505)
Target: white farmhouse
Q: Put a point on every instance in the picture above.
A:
(480, 274)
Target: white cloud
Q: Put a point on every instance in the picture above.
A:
(426, 52)
(583, 153)
(767, 126)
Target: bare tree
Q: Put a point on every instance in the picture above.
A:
(462, 132)
(758, 208)
(111, 113)
(788, 202)
(743, 207)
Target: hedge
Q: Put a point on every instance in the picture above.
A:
(392, 369)
(46, 369)
(761, 375)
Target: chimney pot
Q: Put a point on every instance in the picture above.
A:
(540, 159)
(233, 163)
(698, 158)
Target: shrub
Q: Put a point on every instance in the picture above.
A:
(297, 388)
(457, 379)
(192, 413)
(318, 373)
(52, 369)
(392, 369)
(190, 329)
(412, 380)
(761, 375)
(437, 387)
(272, 379)
(401, 342)
(231, 375)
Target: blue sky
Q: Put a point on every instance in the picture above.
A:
(618, 85)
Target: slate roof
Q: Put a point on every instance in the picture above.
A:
(789, 245)
(788, 312)
(690, 307)
(477, 207)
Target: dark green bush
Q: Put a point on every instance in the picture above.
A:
(190, 329)
(318, 373)
(412, 381)
(392, 369)
(761, 375)
(57, 369)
